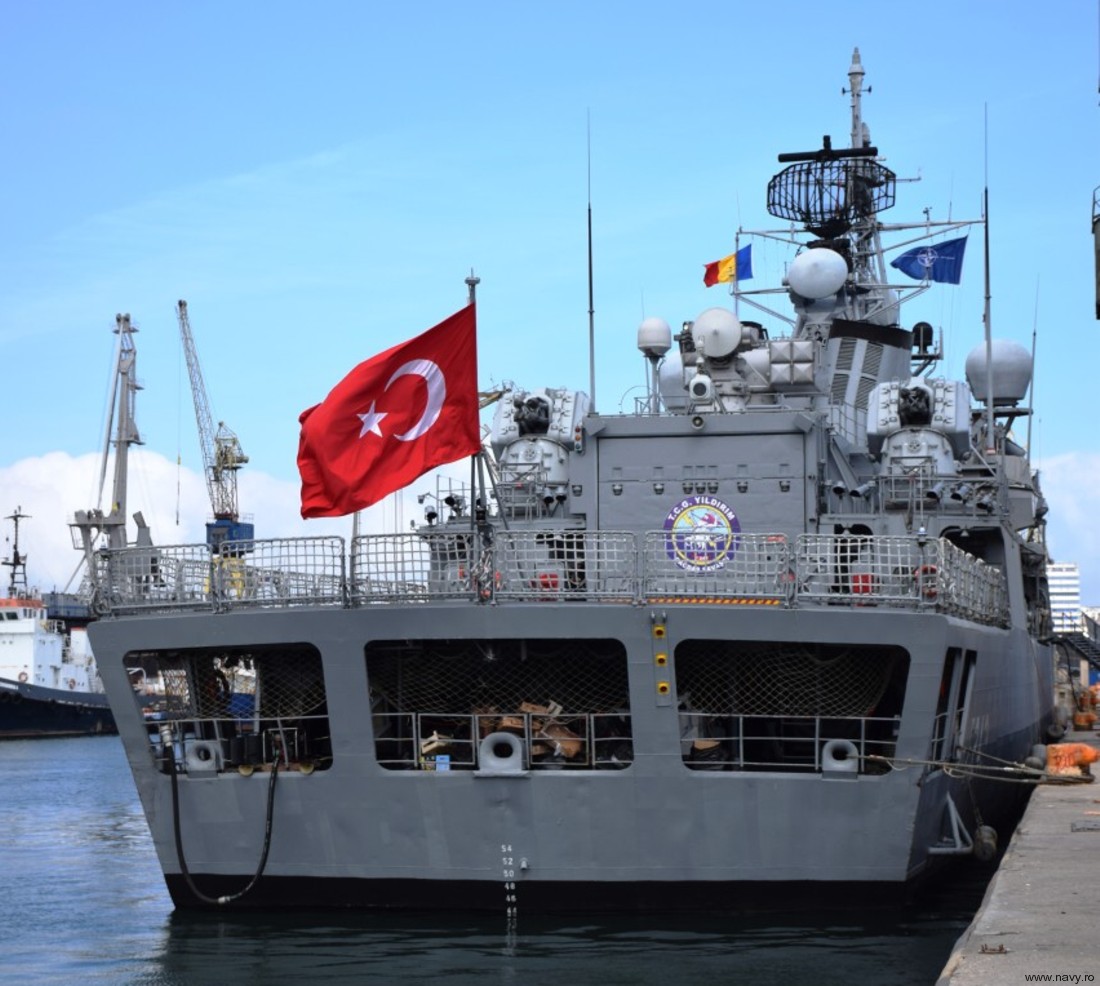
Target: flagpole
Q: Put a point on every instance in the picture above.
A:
(476, 490)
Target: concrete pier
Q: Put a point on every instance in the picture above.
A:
(1040, 919)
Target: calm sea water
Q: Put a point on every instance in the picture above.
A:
(82, 901)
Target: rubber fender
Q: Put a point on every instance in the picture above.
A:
(985, 843)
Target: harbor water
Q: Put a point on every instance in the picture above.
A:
(82, 901)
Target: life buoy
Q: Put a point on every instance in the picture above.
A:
(22, 675)
(926, 579)
(72, 684)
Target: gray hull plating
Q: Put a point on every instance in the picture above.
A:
(653, 822)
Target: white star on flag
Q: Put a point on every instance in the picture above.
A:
(370, 421)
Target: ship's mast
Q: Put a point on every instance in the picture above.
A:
(866, 232)
(17, 563)
(855, 87)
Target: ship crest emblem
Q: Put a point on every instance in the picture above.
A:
(702, 533)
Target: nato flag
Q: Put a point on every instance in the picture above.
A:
(934, 261)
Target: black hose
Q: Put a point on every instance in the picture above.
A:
(230, 898)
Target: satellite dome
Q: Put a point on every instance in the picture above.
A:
(654, 337)
(817, 273)
(1011, 372)
(716, 333)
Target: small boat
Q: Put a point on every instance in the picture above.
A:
(49, 684)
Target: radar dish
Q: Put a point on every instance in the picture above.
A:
(828, 194)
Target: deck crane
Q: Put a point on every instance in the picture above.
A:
(222, 454)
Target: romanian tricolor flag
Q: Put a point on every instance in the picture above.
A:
(735, 267)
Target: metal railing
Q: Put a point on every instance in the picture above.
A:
(440, 742)
(718, 566)
(911, 572)
(552, 565)
(272, 572)
(725, 742)
(556, 565)
(209, 745)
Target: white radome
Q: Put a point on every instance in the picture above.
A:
(817, 273)
(716, 333)
(654, 336)
(1011, 371)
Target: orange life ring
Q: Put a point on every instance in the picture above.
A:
(22, 675)
(72, 684)
(926, 577)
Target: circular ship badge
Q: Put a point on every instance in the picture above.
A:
(702, 533)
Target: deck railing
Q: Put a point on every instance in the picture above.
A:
(916, 573)
(810, 743)
(439, 742)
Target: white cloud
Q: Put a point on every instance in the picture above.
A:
(1071, 484)
(173, 501)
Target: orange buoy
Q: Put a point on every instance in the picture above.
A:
(1083, 719)
(1070, 758)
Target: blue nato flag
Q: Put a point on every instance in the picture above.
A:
(934, 261)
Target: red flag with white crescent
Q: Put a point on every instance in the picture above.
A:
(391, 419)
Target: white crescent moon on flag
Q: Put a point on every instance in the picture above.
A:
(437, 394)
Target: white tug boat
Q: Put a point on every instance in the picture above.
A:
(49, 685)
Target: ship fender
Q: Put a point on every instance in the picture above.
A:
(500, 753)
(1038, 758)
(840, 756)
(985, 843)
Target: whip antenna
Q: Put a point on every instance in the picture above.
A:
(591, 303)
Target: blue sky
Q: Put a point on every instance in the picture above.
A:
(318, 181)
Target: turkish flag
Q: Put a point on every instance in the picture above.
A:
(390, 420)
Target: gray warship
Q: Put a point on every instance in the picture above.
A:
(778, 633)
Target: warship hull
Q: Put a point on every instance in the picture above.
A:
(358, 829)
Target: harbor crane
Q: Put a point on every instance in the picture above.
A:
(222, 454)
